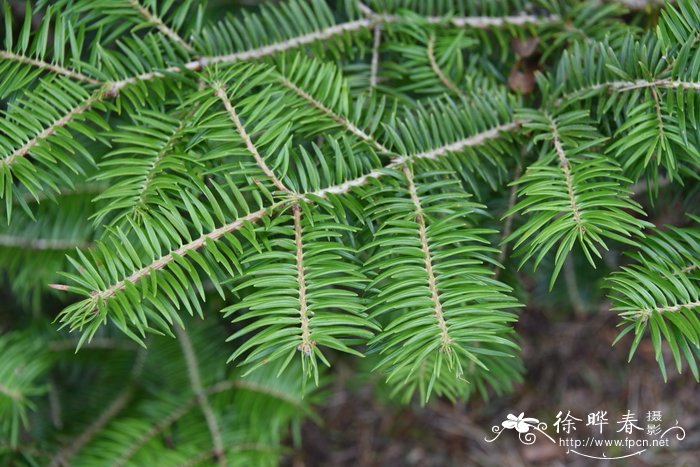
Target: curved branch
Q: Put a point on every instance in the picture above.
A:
(449, 84)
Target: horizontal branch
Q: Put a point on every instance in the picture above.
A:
(622, 86)
(671, 309)
(400, 161)
(10, 241)
(7, 55)
(306, 344)
(478, 22)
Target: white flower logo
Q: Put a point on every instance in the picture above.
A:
(521, 424)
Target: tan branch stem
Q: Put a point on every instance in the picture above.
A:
(252, 149)
(566, 169)
(306, 345)
(670, 309)
(161, 26)
(41, 244)
(400, 161)
(374, 67)
(341, 119)
(160, 263)
(445, 339)
(449, 84)
(51, 129)
(76, 75)
(622, 86)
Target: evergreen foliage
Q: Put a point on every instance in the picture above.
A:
(286, 185)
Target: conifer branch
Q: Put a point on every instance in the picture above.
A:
(479, 22)
(51, 129)
(449, 84)
(374, 65)
(196, 383)
(64, 455)
(341, 119)
(11, 393)
(76, 75)
(173, 417)
(645, 313)
(307, 344)
(488, 22)
(41, 244)
(161, 26)
(163, 261)
(566, 169)
(623, 86)
(399, 161)
(252, 149)
(445, 339)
